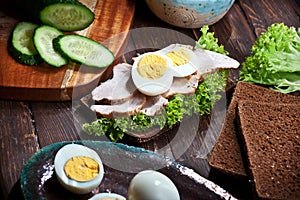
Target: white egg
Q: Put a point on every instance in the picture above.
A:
(150, 83)
(152, 185)
(106, 196)
(185, 61)
(66, 153)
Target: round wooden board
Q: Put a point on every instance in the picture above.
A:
(113, 18)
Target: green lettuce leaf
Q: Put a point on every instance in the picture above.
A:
(275, 59)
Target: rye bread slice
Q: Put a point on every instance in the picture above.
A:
(270, 137)
(226, 155)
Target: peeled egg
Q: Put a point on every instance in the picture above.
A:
(107, 196)
(151, 73)
(184, 60)
(71, 151)
(150, 184)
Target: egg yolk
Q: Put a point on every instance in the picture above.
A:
(152, 66)
(81, 168)
(179, 57)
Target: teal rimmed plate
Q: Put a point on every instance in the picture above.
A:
(121, 163)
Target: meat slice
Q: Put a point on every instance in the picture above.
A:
(130, 107)
(212, 61)
(119, 88)
(154, 105)
(185, 85)
(174, 46)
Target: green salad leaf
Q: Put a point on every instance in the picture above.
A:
(209, 42)
(275, 59)
(201, 102)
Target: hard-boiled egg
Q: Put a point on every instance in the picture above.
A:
(184, 60)
(150, 184)
(78, 168)
(107, 196)
(151, 73)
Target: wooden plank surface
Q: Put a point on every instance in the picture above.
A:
(45, 82)
(17, 141)
(28, 126)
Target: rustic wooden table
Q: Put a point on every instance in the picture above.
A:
(29, 126)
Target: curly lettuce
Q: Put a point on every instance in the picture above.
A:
(275, 59)
(209, 42)
(201, 102)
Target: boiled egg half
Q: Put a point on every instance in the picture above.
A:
(150, 184)
(78, 168)
(151, 73)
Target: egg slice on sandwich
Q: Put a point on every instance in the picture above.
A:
(151, 73)
(184, 60)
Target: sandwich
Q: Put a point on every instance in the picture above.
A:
(159, 89)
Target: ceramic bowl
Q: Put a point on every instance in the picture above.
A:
(190, 13)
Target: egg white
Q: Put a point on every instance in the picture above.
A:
(152, 87)
(66, 153)
(107, 195)
(150, 184)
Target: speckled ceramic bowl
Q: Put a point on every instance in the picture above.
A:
(190, 13)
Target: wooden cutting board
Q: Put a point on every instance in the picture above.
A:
(46, 83)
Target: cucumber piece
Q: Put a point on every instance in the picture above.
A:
(22, 48)
(42, 39)
(83, 50)
(70, 15)
(67, 16)
(31, 8)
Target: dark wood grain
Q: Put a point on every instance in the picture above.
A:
(54, 122)
(28, 126)
(18, 141)
(261, 14)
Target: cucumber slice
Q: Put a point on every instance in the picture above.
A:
(67, 16)
(22, 48)
(83, 50)
(31, 8)
(42, 39)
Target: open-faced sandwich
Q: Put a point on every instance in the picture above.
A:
(160, 88)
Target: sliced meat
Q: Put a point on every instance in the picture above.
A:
(119, 88)
(130, 107)
(174, 46)
(185, 85)
(212, 61)
(125, 99)
(154, 105)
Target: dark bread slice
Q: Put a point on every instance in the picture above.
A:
(271, 137)
(226, 155)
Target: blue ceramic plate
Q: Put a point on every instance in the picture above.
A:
(121, 163)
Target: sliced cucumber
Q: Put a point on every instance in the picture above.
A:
(22, 48)
(83, 50)
(42, 39)
(67, 16)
